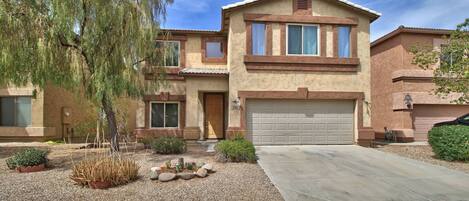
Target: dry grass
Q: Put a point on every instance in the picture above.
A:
(112, 169)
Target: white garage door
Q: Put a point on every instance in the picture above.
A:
(281, 122)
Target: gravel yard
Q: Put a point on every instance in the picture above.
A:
(232, 181)
(422, 153)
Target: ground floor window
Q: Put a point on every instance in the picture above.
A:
(164, 115)
(15, 111)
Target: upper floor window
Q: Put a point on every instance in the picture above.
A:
(303, 40)
(170, 51)
(258, 39)
(15, 111)
(214, 49)
(164, 115)
(344, 41)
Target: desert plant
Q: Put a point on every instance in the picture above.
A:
(115, 170)
(27, 157)
(450, 143)
(237, 150)
(168, 145)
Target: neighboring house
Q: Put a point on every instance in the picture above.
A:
(401, 91)
(29, 114)
(278, 72)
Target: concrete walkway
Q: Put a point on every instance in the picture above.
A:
(355, 173)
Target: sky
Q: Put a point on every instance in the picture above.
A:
(445, 14)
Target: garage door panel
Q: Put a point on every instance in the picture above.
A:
(425, 116)
(300, 122)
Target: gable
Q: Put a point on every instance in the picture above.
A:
(303, 4)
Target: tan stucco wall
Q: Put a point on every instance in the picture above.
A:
(240, 79)
(56, 98)
(194, 54)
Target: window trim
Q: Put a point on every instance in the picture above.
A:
(222, 40)
(15, 111)
(179, 53)
(318, 34)
(164, 112)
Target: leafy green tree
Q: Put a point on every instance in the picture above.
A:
(96, 47)
(452, 74)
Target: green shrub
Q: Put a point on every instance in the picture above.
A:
(27, 157)
(168, 145)
(237, 150)
(450, 143)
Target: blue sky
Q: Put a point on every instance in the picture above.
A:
(205, 14)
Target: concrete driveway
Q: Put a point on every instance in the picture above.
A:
(355, 173)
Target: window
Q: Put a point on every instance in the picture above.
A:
(169, 50)
(164, 115)
(344, 41)
(303, 40)
(258, 39)
(15, 111)
(214, 49)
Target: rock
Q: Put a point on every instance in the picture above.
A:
(185, 175)
(156, 169)
(208, 167)
(153, 175)
(201, 172)
(164, 177)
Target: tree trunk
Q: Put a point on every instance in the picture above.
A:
(111, 121)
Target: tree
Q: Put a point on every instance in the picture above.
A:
(452, 75)
(99, 48)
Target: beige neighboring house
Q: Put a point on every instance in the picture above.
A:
(278, 72)
(401, 91)
(29, 114)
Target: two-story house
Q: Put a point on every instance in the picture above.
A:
(402, 93)
(278, 72)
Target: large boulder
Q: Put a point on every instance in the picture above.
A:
(201, 172)
(186, 175)
(164, 177)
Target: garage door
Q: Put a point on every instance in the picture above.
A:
(425, 116)
(273, 122)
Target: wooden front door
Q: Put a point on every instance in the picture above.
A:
(214, 116)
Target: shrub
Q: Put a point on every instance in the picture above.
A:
(116, 171)
(237, 150)
(27, 157)
(168, 145)
(450, 143)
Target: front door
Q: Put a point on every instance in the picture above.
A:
(214, 116)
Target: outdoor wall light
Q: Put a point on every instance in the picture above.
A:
(408, 101)
(236, 104)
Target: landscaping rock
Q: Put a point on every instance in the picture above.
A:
(153, 175)
(185, 175)
(164, 177)
(156, 169)
(201, 172)
(208, 167)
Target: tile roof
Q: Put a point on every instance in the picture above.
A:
(416, 30)
(204, 71)
(241, 3)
